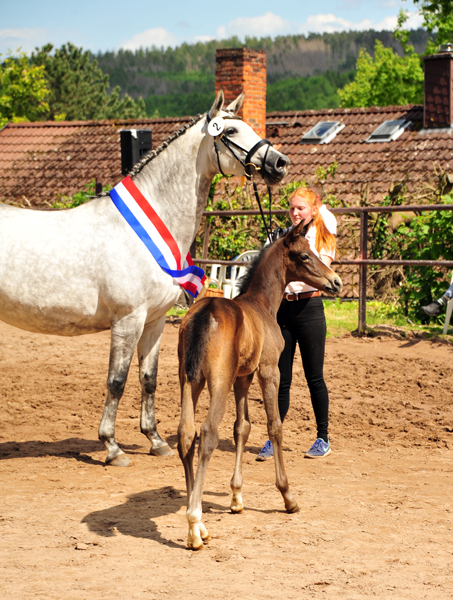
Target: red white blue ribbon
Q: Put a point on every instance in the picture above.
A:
(153, 232)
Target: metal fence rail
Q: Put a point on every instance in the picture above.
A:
(362, 261)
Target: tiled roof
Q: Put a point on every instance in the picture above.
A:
(41, 160)
(38, 161)
(411, 156)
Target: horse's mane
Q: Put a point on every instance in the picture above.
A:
(246, 279)
(153, 153)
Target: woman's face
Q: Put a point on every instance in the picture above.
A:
(300, 210)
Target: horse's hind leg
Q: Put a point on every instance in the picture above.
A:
(125, 334)
(187, 435)
(241, 435)
(268, 380)
(209, 437)
(148, 356)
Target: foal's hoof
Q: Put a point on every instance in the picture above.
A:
(164, 450)
(120, 460)
(292, 508)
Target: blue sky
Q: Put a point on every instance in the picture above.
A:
(113, 24)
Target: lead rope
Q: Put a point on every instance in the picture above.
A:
(257, 196)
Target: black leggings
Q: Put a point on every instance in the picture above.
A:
(303, 322)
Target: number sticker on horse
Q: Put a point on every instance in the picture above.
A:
(216, 126)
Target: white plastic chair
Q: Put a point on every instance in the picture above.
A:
(449, 311)
(238, 271)
(228, 284)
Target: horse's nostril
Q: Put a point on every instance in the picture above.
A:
(281, 163)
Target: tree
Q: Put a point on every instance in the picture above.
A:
(387, 79)
(23, 90)
(437, 19)
(79, 89)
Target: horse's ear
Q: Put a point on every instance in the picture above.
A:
(295, 232)
(217, 106)
(236, 105)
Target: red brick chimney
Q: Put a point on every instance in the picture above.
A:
(438, 102)
(243, 70)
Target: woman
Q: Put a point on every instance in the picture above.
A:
(302, 321)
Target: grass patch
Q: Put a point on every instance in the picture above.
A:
(343, 318)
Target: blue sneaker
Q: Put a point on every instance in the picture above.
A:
(319, 449)
(266, 452)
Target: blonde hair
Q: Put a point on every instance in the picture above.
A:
(324, 239)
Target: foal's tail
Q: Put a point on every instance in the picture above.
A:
(196, 338)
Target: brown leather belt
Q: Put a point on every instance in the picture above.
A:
(300, 296)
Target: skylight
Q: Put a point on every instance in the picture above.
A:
(388, 131)
(322, 132)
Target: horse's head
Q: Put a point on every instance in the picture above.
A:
(237, 149)
(304, 265)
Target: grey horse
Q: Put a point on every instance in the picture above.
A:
(84, 270)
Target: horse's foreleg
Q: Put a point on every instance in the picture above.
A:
(148, 356)
(187, 435)
(209, 437)
(269, 379)
(125, 334)
(241, 435)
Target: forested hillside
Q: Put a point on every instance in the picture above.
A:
(302, 71)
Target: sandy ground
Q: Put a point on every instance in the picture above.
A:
(376, 515)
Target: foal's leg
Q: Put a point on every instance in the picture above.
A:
(209, 437)
(125, 334)
(241, 435)
(148, 356)
(187, 435)
(268, 379)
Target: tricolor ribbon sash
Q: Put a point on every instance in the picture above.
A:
(153, 232)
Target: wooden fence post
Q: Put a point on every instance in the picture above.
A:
(363, 272)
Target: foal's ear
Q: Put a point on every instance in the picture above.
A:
(218, 105)
(236, 105)
(295, 232)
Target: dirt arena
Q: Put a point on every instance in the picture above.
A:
(376, 516)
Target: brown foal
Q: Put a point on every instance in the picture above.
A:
(224, 343)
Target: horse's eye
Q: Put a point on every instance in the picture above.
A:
(230, 131)
(304, 256)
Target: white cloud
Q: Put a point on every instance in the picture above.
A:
(157, 36)
(26, 39)
(203, 38)
(329, 23)
(264, 25)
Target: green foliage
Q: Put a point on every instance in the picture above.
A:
(387, 79)
(302, 93)
(437, 18)
(88, 193)
(180, 81)
(78, 87)
(428, 236)
(23, 90)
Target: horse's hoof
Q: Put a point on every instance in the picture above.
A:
(294, 508)
(196, 545)
(237, 510)
(164, 450)
(120, 460)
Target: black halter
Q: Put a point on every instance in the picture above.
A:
(247, 164)
(228, 143)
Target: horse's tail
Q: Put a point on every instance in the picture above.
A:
(196, 338)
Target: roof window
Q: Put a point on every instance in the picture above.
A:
(388, 131)
(322, 132)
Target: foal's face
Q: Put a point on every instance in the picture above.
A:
(305, 266)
